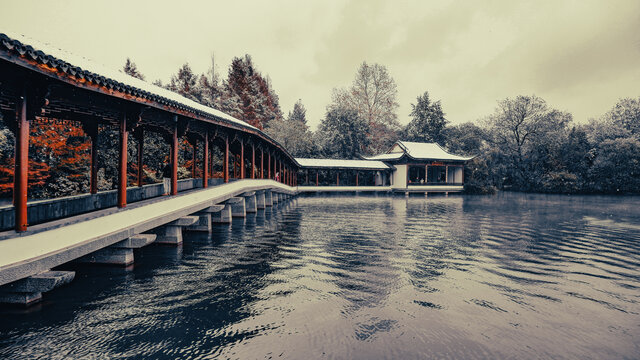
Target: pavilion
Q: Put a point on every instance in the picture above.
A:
(405, 167)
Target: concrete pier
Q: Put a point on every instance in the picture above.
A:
(28, 291)
(120, 253)
(203, 224)
(260, 199)
(237, 207)
(250, 202)
(171, 233)
(268, 199)
(220, 214)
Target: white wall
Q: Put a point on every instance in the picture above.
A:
(400, 177)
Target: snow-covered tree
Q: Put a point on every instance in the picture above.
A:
(185, 83)
(130, 68)
(293, 133)
(428, 121)
(373, 94)
(342, 133)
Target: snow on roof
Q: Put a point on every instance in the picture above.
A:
(101, 71)
(342, 163)
(431, 151)
(391, 156)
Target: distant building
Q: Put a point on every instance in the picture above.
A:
(406, 166)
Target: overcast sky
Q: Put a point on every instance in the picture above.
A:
(580, 56)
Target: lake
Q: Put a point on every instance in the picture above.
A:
(363, 277)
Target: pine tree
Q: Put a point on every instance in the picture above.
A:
(130, 68)
(428, 121)
(185, 83)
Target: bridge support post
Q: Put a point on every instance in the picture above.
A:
(29, 291)
(237, 207)
(260, 199)
(203, 224)
(250, 203)
(171, 233)
(268, 200)
(120, 253)
(221, 214)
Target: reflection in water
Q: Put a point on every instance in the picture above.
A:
(506, 276)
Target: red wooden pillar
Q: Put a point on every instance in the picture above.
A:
(205, 161)
(253, 161)
(122, 165)
(140, 139)
(226, 160)
(193, 166)
(337, 178)
(261, 163)
(174, 159)
(307, 172)
(356, 178)
(93, 167)
(317, 171)
(21, 171)
(281, 171)
(241, 159)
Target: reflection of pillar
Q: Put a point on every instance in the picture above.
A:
(122, 164)
(205, 160)
(174, 159)
(140, 139)
(21, 172)
(226, 160)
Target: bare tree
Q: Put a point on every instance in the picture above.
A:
(373, 95)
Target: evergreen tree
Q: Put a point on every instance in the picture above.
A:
(343, 133)
(428, 121)
(293, 133)
(185, 83)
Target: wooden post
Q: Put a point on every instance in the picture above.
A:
(253, 161)
(93, 167)
(174, 158)
(140, 139)
(241, 159)
(225, 163)
(446, 174)
(337, 178)
(205, 161)
(426, 174)
(317, 171)
(356, 178)
(21, 170)
(261, 163)
(195, 151)
(269, 165)
(307, 173)
(122, 165)
(462, 178)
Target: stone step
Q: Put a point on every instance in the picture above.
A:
(136, 241)
(184, 221)
(43, 282)
(29, 291)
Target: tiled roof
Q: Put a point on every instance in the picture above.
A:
(342, 164)
(419, 151)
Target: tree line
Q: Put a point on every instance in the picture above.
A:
(524, 145)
